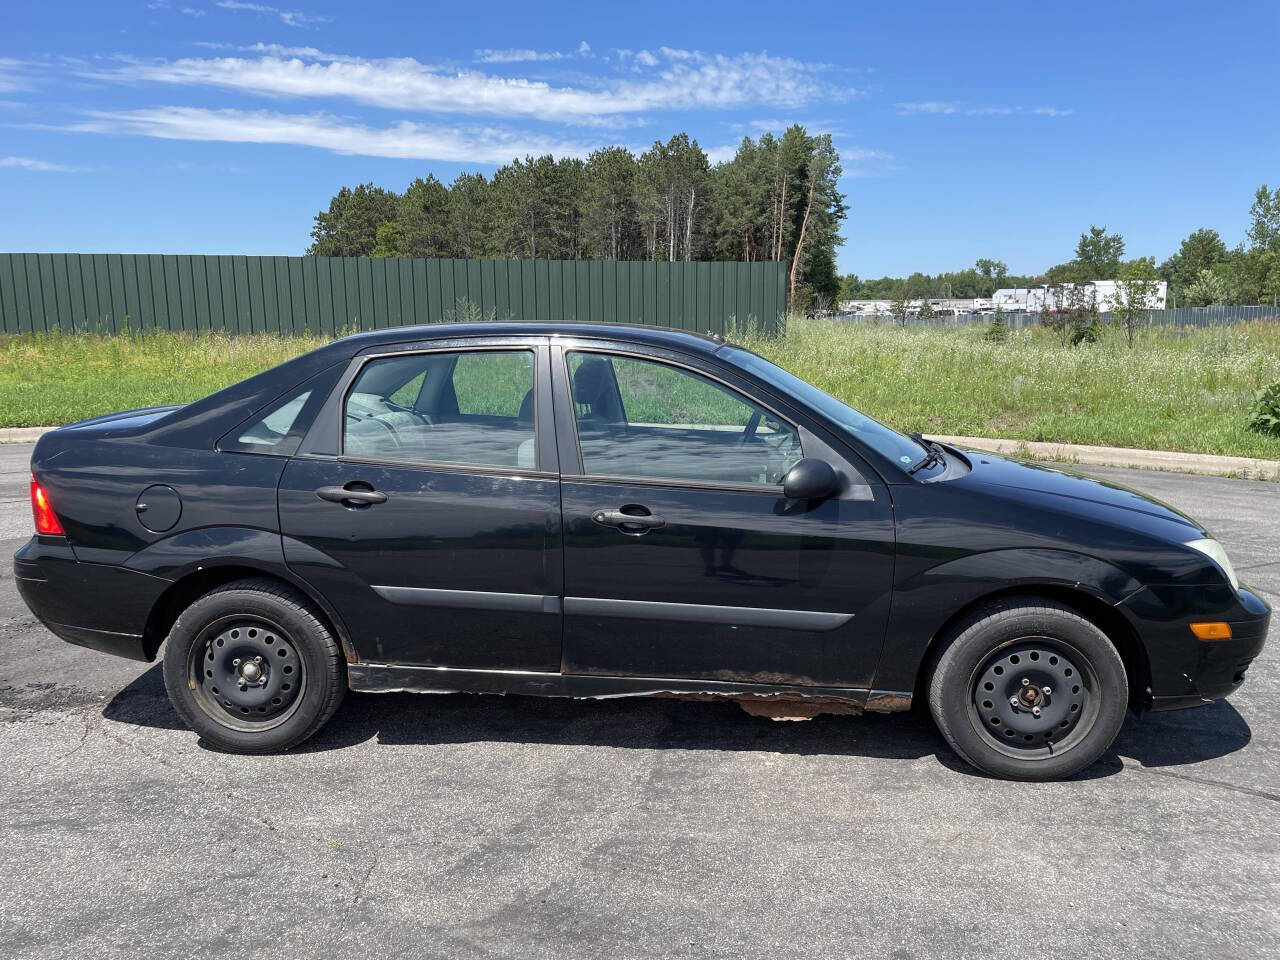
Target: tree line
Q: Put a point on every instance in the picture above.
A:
(776, 200)
(1202, 272)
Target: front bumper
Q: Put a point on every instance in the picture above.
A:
(1186, 671)
(92, 605)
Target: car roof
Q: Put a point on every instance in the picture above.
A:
(630, 332)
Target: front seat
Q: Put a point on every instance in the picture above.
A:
(526, 410)
(595, 398)
(526, 453)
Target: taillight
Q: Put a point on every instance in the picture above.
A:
(46, 520)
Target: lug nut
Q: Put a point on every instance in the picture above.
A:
(1035, 711)
(1025, 681)
(235, 662)
(1047, 689)
(1014, 701)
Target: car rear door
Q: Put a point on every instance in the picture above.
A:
(682, 558)
(424, 504)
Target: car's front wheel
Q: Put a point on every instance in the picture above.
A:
(1028, 689)
(252, 669)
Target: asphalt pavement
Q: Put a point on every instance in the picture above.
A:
(466, 826)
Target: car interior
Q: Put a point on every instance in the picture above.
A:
(635, 417)
(639, 418)
(467, 408)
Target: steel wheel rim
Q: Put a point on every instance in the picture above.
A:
(1022, 720)
(246, 672)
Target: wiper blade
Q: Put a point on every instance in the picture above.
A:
(930, 458)
(935, 454)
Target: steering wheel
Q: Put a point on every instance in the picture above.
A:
(749, 431)
(374, 419)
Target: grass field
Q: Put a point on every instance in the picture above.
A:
(1175, 390)
(1186, 390)
(56, 379)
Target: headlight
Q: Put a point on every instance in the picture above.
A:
(1213, 550)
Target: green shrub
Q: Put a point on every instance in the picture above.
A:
(998, 330)
(1087, 333)
(1264, 415)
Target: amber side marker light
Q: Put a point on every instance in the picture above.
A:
(46, 520)
(1212, 631)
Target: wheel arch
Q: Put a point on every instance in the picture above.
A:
(1099, 612)
(196, 583)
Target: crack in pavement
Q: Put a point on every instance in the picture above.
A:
(359, 882)
(1259, 566)
(1206, 781)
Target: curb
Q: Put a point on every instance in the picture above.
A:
(1167, 460)
(23, 434)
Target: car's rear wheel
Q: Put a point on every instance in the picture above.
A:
(1028, 689)
(252, 668)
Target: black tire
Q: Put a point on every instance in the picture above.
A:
(996, 670)
(251, 667)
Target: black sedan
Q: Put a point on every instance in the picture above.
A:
(597, 511)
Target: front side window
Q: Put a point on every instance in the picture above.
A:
(903, 451)
(651, 420)
(472, 408)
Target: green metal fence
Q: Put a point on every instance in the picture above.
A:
(117, 293)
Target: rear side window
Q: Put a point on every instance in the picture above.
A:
(278, 430)
(470, 408)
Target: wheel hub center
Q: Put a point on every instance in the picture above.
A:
(250, 671)
(1031, 696)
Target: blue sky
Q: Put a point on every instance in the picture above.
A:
(966, 130)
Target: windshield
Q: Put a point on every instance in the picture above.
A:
(888, 443)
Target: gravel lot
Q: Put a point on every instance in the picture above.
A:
(465, 826)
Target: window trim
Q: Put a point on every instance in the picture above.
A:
(672, 482)
(479, 469)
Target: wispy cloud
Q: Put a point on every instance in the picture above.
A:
(192, 12)
(859, 162)
(33, 163)
(722, 153)
(404, 140)
(686, 80)
(9, 75)
(777, 125)
(959, 108)
(487, 55)
(290, 18)
(641, 57)
(518, 56)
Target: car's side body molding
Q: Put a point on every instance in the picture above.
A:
(470, 599)
(706, 613)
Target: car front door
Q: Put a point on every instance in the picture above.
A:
(424, 504)
(682, 558)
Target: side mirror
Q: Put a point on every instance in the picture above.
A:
(810, 479)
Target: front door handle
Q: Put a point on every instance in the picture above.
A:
(351, 494)
(629, 519)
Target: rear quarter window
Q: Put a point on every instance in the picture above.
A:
(278, 428)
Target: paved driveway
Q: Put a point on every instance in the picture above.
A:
(464, 826)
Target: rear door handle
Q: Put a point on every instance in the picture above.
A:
(351, 494)
(628, 522)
